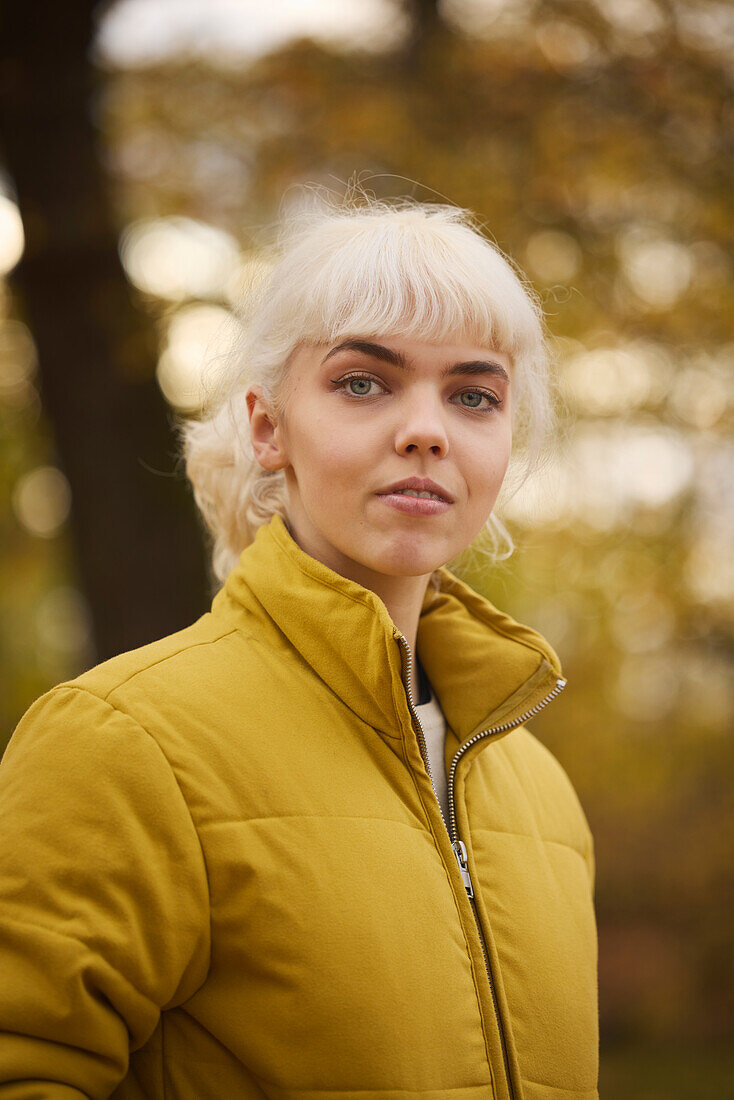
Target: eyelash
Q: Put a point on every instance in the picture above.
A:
(340, 383)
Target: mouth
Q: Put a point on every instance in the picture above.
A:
(422, 495)
(412, 504)
(418, 488)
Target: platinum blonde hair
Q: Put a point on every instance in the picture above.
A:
(362, 267)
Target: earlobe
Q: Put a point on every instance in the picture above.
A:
(264, 433)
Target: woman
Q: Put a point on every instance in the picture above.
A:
(305, 847)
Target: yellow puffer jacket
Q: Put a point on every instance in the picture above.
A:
(223, 853)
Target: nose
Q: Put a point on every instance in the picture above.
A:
(421, 427)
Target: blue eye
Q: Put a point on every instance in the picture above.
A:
(492, 398)
(360, 381)
(342, 383)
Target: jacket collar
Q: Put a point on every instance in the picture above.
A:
(484, 667)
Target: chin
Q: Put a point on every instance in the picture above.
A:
(407, 564)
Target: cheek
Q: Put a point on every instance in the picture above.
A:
(489, 464)
(504, 457)
(332, 453)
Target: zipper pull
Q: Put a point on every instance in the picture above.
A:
(460, 853)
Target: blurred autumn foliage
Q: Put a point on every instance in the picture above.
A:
(595, 142)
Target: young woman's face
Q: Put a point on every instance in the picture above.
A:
(365, 414)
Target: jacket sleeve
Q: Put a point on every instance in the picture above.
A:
(104, 907)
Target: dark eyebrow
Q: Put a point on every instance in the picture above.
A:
(478, 366)
(377, 351)
(397, 359)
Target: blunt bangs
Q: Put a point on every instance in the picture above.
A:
(393, 272)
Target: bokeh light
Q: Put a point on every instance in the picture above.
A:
(486, 18)
(12, 239)
(709, 570)
(137, 32)
(178, 258)
(18, 363)
(605, 475)
(700, 395)
(657, 269)
(607, 380)
(199, 342)
(708, 25)
(638, 17)
(553, 256)
(42, 501)
(566, 45)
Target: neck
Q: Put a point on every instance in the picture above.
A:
(403, 597)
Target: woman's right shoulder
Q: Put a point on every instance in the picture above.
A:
(182, 693)
(168, 660)
(147, 686)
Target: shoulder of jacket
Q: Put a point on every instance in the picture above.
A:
(173, 658)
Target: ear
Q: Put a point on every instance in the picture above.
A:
(264, 432)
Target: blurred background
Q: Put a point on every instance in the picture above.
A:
(145, 147)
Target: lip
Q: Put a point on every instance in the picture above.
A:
(415, 506)
(421, 485)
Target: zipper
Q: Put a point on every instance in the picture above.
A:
(457, 844)
(421, 735)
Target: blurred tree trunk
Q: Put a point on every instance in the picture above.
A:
(426, 25)
(138, 545)
(425, 16)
